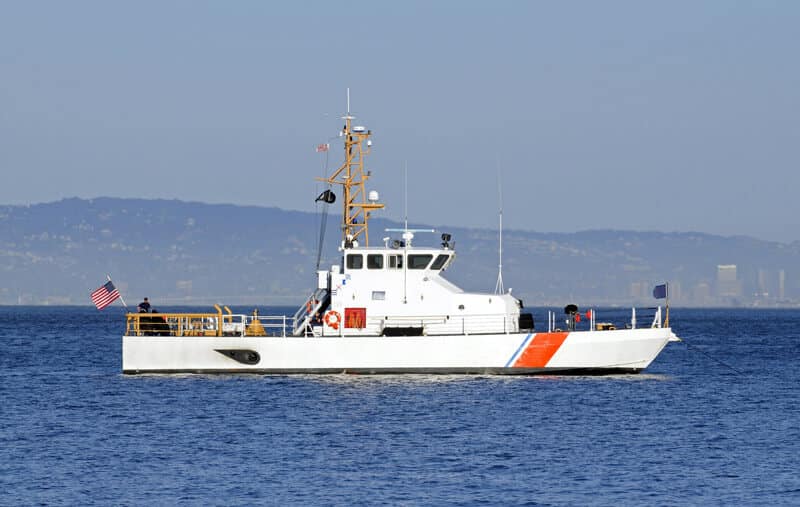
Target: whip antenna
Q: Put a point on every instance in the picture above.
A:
(498, 288)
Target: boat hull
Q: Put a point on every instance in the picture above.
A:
(589, 352)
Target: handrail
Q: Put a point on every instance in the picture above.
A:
(174, 324)
(217, 324)
(307, 310)
(202, 324)
(657, 318)
(429, 325)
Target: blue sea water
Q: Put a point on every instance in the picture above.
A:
(688, 431)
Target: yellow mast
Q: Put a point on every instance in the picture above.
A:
(352, 177)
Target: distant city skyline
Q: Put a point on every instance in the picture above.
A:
(617, 115)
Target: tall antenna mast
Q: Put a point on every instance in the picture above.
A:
(498, 288)
(406, 233)
(405, 196)
(352, 177)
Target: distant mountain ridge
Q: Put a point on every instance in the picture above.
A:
(179, 252)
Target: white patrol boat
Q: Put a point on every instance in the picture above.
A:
(386, 309)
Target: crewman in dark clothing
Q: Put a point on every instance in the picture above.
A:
(159, 324)
(144, 306)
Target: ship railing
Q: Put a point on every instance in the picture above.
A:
(425, 325)
(657, 318)
(594, 325)
(656, 322)
(174, 324)
(230, 324)
(266, 325)
(573, 321)
(206, 324)
(308, 310)
(457, 324)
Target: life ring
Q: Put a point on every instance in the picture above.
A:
(332, 319)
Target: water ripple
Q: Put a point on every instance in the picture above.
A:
(73, 430)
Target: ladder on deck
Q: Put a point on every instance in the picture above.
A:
(302, 318)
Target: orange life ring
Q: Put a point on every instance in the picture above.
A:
(332, 319)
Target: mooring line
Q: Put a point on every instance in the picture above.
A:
(723, 363)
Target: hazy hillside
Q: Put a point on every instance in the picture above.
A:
(182, 252)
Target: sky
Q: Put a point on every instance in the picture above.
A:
(636, 115)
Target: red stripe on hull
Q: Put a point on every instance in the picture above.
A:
(540, 350)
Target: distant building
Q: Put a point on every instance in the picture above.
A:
(728, 285)
(781, 285)
(701, 294)
(763, 289)
(638, 290)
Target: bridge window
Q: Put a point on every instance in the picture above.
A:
(419, 261)
(396, 261)
(375, 261)
(440, 261)
(355, 261)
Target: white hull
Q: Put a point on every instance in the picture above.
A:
(629, 350)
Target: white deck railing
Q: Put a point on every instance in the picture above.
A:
(594, 325)
(197, 324)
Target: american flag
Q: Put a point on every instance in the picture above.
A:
(105, 295)
(322, 147)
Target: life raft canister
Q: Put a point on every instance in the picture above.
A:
(332, 319)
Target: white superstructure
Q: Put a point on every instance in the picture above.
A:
(400, 290)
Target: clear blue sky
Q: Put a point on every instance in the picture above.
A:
(670, 116)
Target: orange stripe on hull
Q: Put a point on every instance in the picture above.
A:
(540, 350)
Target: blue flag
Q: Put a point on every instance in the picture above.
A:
(660, 291)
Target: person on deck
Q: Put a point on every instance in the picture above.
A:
(144, 306)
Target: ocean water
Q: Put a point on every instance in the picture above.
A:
(713, 423)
